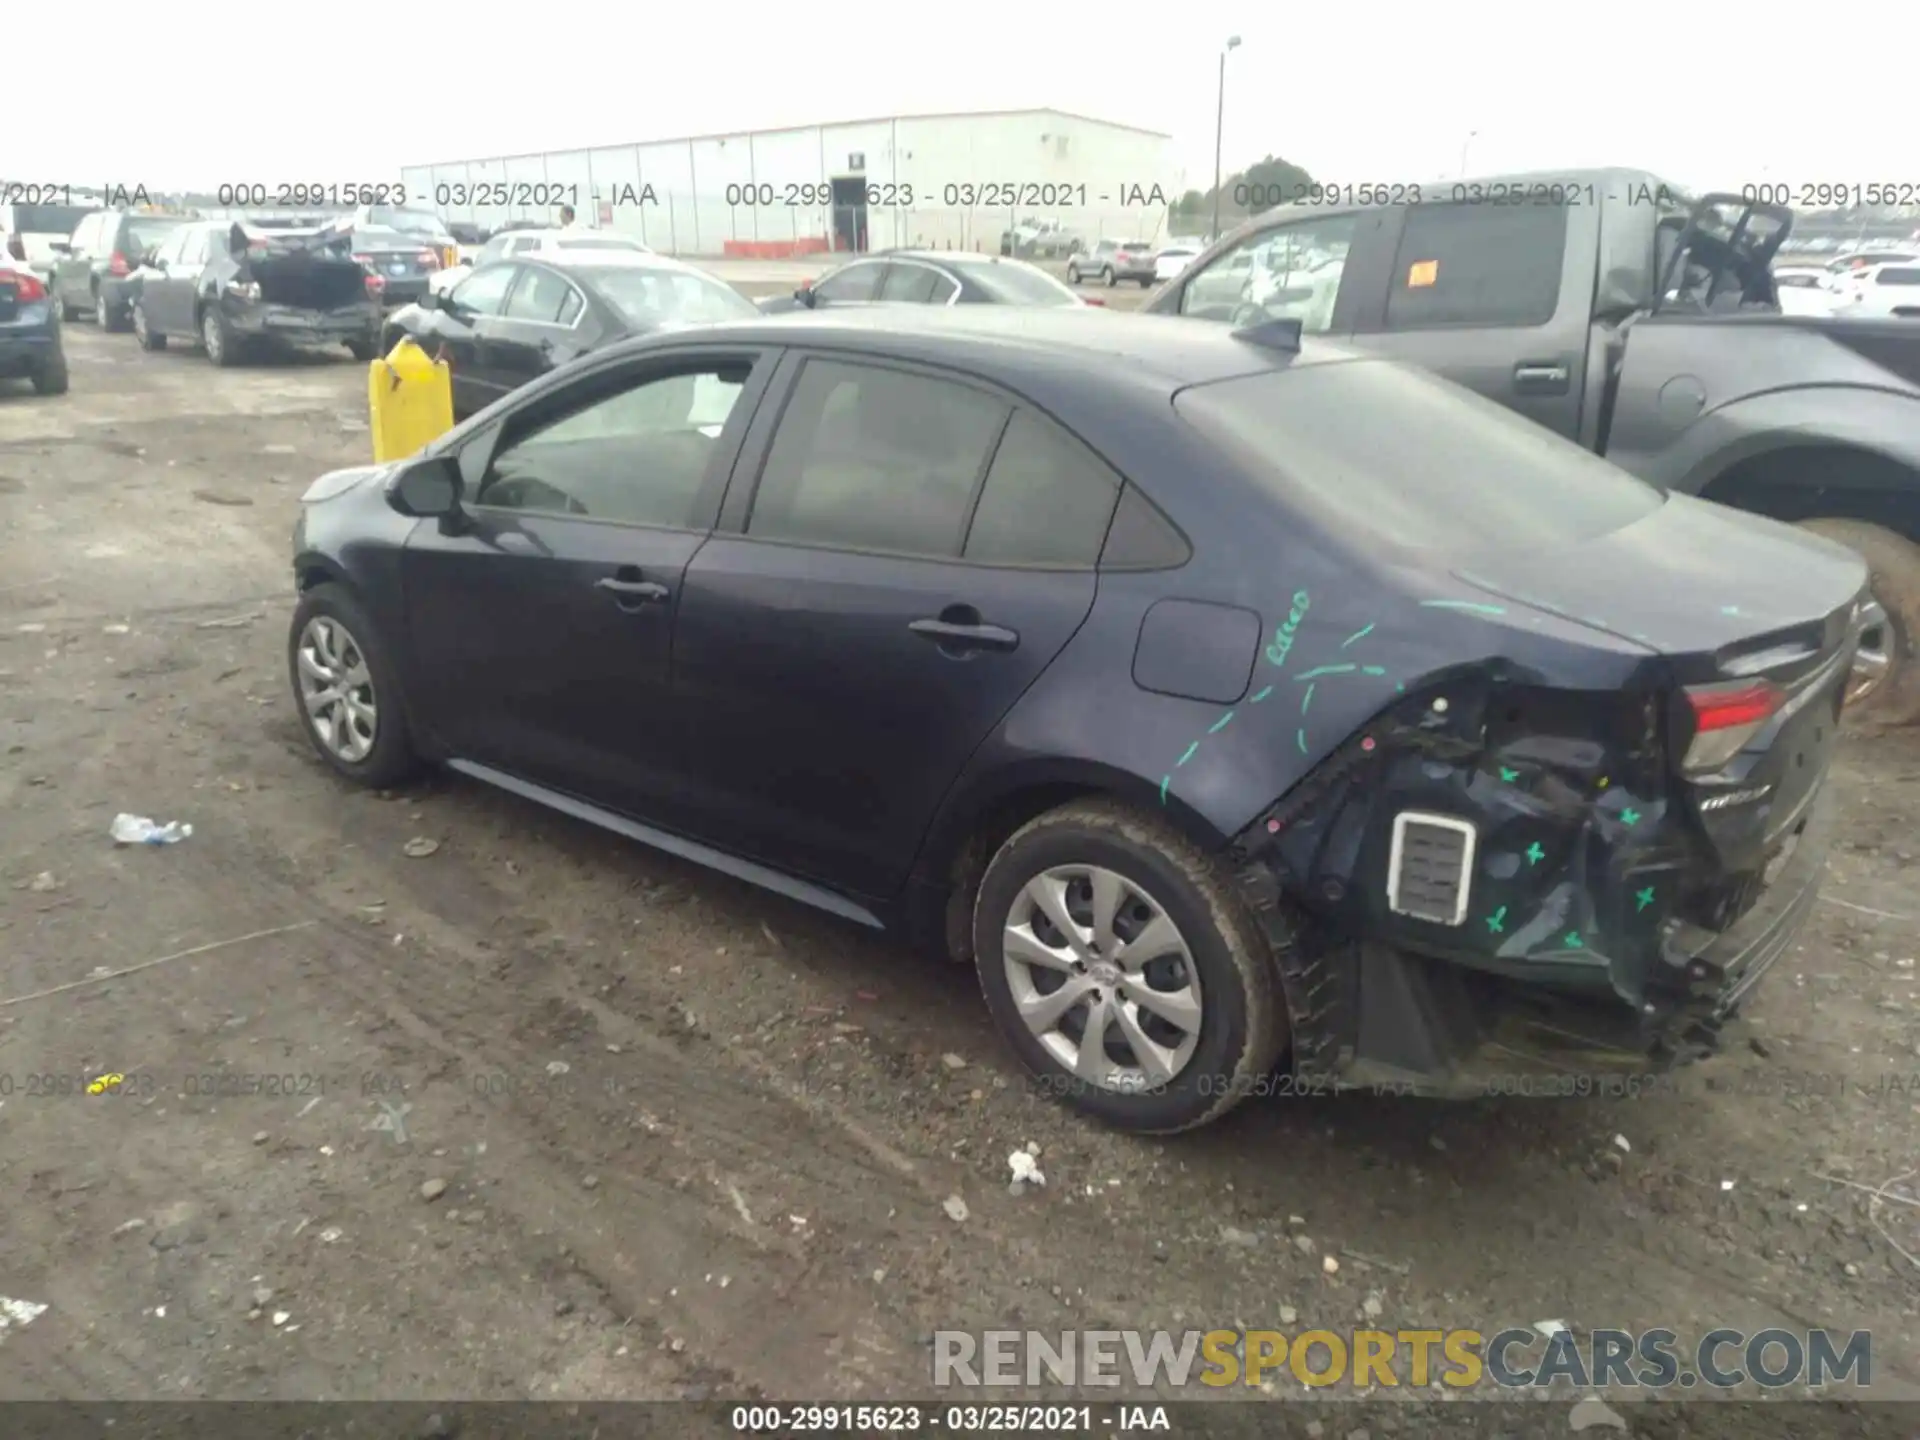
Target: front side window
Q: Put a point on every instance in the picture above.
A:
(652, 296)
(484, 291)
(538, 297)
(640, 456)
(868, 458)
(856, 282)
(1291, 272)
(1481, 265)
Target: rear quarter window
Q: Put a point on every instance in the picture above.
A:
(1386, 453)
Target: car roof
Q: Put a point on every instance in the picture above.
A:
(1027, 342)
(584, 259)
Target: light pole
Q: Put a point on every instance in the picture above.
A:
(1465, 146)
(1219, 130)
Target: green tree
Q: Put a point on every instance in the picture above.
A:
(1260, 186)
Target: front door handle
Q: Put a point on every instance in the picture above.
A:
(1542, 378)
(964, 635)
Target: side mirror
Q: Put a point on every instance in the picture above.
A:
(432, 299)
(154, 262)
(804, 296)
(427, 490)
(59, 247)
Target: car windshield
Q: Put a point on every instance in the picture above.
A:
(146, 232)
(1381, 449)
(648, 296)
(1012, 283)
(412, 222)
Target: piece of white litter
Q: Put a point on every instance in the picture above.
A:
(1330, 1266)
(1550, 1327)
(309, 1105)
(1025, 1172)
(331, 1235)
(955, 1207)
(280, 1317)
(161, 1311)
(115, 629)
(1801, 1207)
(1620, 1143)
(798, 1219)
(326, 1150)
(17, 1314)
(1726, 1184)
(139, 830)
(558, 1067)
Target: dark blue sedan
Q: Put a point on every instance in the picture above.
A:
(30, 330)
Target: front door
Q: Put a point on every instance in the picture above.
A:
(542, 634)
(167, 295)
(890, 599)
(456, 330)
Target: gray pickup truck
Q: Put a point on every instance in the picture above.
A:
(1630, 317)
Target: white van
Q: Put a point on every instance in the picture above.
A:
(30, 229)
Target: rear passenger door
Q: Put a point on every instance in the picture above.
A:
(915, 552)
(908, 282)
(529, 338)
(73, 271)
(1497, 297)
(855, 284)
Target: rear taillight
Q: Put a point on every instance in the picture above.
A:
(429, 260)
(1092, 300)
(118, 264)
(26, 287)
(1725, 720)
(376, 286)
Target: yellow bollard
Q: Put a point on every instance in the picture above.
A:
(409, 400)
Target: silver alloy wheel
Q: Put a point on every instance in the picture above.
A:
(1871, 662)
(211, 336)
(337, 690)
(1103, 978)
(101, 315)
(140, 324)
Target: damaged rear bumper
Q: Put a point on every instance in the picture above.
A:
(298, 325)
(1367, 1012)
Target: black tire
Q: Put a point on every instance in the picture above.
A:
(150, 340)
(51, 378)
(392, 757)
(363, 349)
(109, 319)
(1893, 563)
(68, 310)
(217, 338)
(1146, 282)
(1108, 276)
(1073, 274)
(1242, 1028)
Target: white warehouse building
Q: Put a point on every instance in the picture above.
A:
(947, 181)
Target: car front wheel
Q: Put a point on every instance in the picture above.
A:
(1127, 976)
(1073, 274)
(149, 338)
(348, 693)
(216, 338)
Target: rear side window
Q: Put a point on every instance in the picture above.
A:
(1047, 500)
(1381, 450)
(868, 458)
(1493, 265)
(856, 282)
(1902, 276)
(912, 284)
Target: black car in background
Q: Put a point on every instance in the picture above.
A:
(400, 263)
(30, 343)
(1221, 696)
(94, 269)
(512, 321)
(235, 288)
(927, 277)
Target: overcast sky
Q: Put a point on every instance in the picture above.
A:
(1390, 97)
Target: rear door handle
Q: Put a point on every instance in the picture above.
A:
(1542, 378)
(949, 635)
(644, 591)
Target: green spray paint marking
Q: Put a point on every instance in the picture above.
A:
(1464, 605)
(1535, 854)
(1573, 941)
(1629, 816)
(1359, 634)
(1643, 898)
(1220, 724)
(1165, 780)
(1509, 775)
(1399, 689)
(1188, 756)
(1300, 738)
(1328, 670)
(1283, 637)
(1306, 700)
(1729, 609)
(1261, 696)
(1497, 921)
(1372, 670)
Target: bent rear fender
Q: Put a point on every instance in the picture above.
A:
(1520, 838)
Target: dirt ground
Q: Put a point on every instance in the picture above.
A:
(544, 1114)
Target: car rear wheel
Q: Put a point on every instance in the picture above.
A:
(1887, 667)
(217, 339)
(1073, 274)
(149, 338)
(1127, 976)
(363, 349)
(348, 694)
(68, 310)
(1108, 276)
(51, 377)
